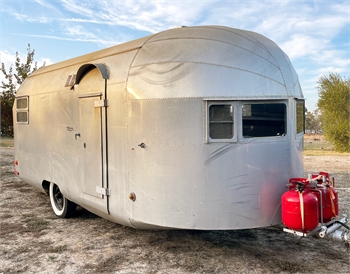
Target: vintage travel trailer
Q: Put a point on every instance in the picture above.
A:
(189, 128)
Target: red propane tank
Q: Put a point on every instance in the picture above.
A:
(300, 210)
(330, 208)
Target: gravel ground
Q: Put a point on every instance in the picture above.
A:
(33, 240)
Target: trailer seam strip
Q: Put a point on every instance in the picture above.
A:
(242, 97)
(254, 40)
(267, 50)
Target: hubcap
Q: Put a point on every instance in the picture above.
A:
(58, 197)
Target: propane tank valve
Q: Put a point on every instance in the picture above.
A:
(300, 187)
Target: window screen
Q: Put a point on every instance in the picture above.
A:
(221, 121)
(263, 120)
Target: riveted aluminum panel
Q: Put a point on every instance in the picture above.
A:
(198, 61)
(182, 182)
(194, 80)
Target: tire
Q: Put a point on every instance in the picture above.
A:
(61, 206)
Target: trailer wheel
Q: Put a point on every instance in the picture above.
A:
(61, 206)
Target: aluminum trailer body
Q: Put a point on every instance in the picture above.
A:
(190, 128)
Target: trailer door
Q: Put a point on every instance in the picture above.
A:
(91, 135)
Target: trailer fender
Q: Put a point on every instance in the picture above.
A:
(46, 186)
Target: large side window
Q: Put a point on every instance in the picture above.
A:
(221, 121)
(300, 116)
(22, 110)
(264, 120)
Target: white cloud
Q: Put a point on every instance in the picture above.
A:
(336, 57)
(151, 16)
(74, 39)
(310, 32)
(325, 70)
(44, 3)
(46, 61)
(80, 7)
(9, 60)
(23, 17)
(81, 32)
(300, 45)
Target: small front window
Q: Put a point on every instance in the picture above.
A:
(22, 110)
(22, 103)
(221, 121)
(22, 117)
(300, 116)
(263, 120)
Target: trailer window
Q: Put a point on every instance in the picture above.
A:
(221, 121)
(263, 120)
(300, 116)
(22, 110)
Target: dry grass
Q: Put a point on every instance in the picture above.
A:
(33, 240)
(6, 142)
(317, 145)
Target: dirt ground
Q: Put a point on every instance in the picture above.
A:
(33, 240)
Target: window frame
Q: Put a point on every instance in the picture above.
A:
(234, 106)
(22, 110)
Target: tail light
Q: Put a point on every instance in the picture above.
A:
(16, 164)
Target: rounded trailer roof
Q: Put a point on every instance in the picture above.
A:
(211, 62)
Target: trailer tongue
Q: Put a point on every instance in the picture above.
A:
(310, 208)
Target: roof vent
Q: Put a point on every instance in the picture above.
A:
(70, 80)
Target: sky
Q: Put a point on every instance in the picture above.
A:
(314, 34)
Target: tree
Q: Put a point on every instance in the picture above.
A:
(312, 121)
(10, 85)
(334, 105)
(7, 99)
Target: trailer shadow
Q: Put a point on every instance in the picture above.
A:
(82, 213)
